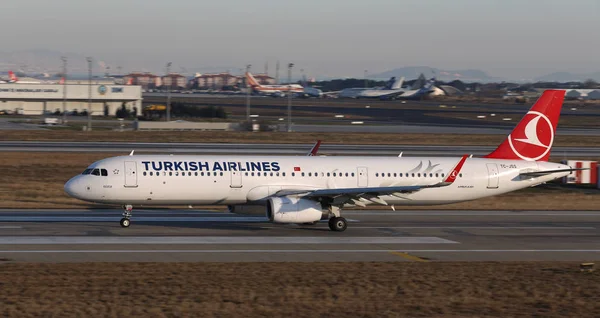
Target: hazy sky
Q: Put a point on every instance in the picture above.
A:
(508, 38)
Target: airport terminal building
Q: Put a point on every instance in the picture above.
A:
(38, 99)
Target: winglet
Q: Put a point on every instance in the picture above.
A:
(456, 170)
(314, 149)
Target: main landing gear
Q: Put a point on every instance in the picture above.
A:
(126, 220)
(336, 222)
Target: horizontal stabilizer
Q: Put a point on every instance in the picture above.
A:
(546, 172)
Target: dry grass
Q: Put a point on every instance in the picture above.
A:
(36, 180)
(299, 290)
(278, 137)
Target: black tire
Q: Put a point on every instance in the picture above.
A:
(338, 224)
(125, 222)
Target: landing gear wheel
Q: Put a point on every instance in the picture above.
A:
(125, 222)
(338, 224)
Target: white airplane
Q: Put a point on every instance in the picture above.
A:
(392, 86)
(274, 90)
(298, 189)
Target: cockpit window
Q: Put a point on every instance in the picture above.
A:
(104, 172)
(96, 172)
(87, 171)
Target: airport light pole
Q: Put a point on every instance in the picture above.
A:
(169, 93)
(248, 91)
(289, 106)
(89, 113)
(366, 81)
(64, 76)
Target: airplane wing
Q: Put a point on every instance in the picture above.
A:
(545, 172)
(314, 149)
(358, 196)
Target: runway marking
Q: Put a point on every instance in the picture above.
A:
(116, 218)
(70, 240)
(301, 251)
(481, 227)
(409, 257)
(474, 213)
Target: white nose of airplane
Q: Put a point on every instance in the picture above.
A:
(74, 187)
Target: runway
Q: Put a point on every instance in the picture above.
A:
(373, 235)
(272, 149)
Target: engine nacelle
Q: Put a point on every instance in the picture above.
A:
(293, 210)
(246, 209)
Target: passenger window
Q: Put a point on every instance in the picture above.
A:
(150, 172)
(196, 173)
(303, 174)
(442, 175)
(144, 173)
(283, 174)
(96, 172)
(328, 174)
(460, 175)
(293, 174)
(170, 173)
(346, 174)
(310, 174)
(246, 174)
(334, 174)
(271, 174)
(202, 174)
(221, 174)
(377, 174)
(436, 175)
(413, 175)
(353, 174)
(258, 174)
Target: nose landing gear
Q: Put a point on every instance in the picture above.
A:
(126, 220)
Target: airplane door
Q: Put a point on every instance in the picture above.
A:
(236, 179)
(130, 174)
(363, 178)
(493, 177)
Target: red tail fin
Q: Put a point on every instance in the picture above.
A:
(12, 76)
(252, 82)
(532, 139)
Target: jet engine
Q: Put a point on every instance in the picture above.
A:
(293, 210)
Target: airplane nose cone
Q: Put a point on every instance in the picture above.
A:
(72, 187)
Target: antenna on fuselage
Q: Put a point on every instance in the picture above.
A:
(400, 155)
(131, 153)
(471, 156)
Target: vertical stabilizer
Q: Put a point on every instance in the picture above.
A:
(532, 138)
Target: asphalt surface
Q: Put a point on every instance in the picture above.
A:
(372, 235)
(273, 149)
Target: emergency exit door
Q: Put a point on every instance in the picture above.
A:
(363, 176)
(236, 179)
(493, 176)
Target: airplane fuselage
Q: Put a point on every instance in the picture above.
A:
(197, 180)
